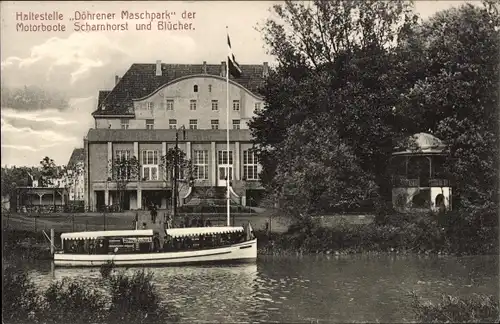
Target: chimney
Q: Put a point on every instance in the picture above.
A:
(158, 68)
(204, 67)
(223, 69)
(265, 70)
(117, 79)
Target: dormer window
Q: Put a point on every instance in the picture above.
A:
(195, 88)
(209, 88)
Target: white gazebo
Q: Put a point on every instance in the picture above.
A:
(419, 179)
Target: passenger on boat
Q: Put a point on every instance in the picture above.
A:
(208, 223)
(194, 222)
(143, 225)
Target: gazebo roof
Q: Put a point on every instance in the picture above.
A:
(422, 143)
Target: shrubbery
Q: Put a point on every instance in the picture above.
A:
(132, 299)
(419, 233)
(477, 309)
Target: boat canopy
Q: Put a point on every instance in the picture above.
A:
(97, 234)
(195, 231)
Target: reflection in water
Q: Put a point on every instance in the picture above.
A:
(309, 288)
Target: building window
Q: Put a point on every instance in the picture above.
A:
(150, 165)
(172, 123)
(250, 165)
(150, 105)
(236, 105)
(257, 106)
(236, 124)
(150, 123)
(121, 164)
(193, 124)
(195, 88)
(215, 104)
(209, 88)
(201, 165)
(215, 124)
(170, 104)
(124, 123)
(222, 157)
(192, 105)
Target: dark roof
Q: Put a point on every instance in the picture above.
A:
(78, 155)
(141, 80)
(102, 95)
(167, 135)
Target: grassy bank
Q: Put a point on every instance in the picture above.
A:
(128, 299)
(475, 309)
(398, 234)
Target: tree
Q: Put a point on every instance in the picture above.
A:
(456, 98)
(338, 69)
(48, 172)
(185, 170)
(322, 175)
(124, 170)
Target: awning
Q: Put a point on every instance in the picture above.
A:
(196, 231)
(96, 234)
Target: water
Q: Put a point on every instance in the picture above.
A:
(310, 288)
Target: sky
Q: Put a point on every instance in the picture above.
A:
(78, 64)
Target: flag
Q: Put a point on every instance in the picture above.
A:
(234, 67)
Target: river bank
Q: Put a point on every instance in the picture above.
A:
(420, 235)
(401, 235)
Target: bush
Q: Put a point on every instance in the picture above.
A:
(420, 233)
(106, 269)
(72, 302)
(21, 299)
(477, 309)
(134, 299)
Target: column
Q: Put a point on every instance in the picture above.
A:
(163, 148)
(106, 197)
(136, 150)
(188, 150)
(213, 163)
(139, 198)
(244, 200)
(237, 167)
(110, 159)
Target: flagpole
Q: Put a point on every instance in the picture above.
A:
(227, 136)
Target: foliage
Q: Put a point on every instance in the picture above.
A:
(72, 302)
(321, 172)
(422, 233)
(106, 269)
(356, 78)
(338, 79)
(476, 309)
(17, 176)
(48, 172)
(124, 170)
(134, 298)
(185, 169)
(456, 98)
(21, 299)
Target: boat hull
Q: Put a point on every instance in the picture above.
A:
(241, 252)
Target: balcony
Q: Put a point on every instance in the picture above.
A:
(402, 182)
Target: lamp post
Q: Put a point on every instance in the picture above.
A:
(176, 168)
